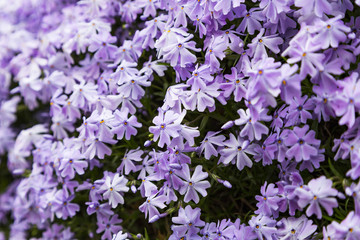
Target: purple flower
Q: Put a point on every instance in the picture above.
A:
(303, 50)
(71, 163)
(268, 202)
(177, 51)
(323, 103)
(132, 87)
(126, 164)
(303, 143)
(62, 205)
(102, 210)
(263, 226)
(96, 147)
(258, 44)
(354, 191)
(314, 161)
(153, 66)
(201, 77)
(100, 44)
(318, 193)
(202, 98)
(122, 125)
(266, 152)
(325, 79)
(265, 77)
(8, 110)
(83, 94)
(188, 221)
(271, 9)
(319, 7)
(214, 51)
(225, 5)
(236, 149)
(330, 32)
(298, 111)
(251, 20)
(154, 201)
(347, 101)
(209, 231)
(207, 145)
(109, 226)
(166, 126)
(120, 236)
(296, 228)
(225, 229)
(235, 83)
(348, 229)
(253, 129)
(125, 72)
(290, 84)
(148, 188)
(193, 184)
(113, 189)
(278, 118)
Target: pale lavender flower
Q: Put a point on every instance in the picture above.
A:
(263, 226)
(127, 164)
(166, 126)
(258, 44)
(120, 236)
(235, 84)
(71, 163)
(298, 111)
(113, 188)
(207, 145)
(188, 221)
(108, 225)
(193, 184)
(132, 87)
(202, 98)
(177, 52)
(305, 51)
(62, 205)
(318, 7)
(154, 201)
(268, 202)
(251, 20)
(303, 143)
(296, 228)
(122, 125)
(347, 101)
(253, 129)
(236, 150)
(319, 192)
(330, 32)
(354, 191)
(348, 229)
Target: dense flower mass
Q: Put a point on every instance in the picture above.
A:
(180, 119)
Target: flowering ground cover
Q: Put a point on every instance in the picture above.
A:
(180, 119)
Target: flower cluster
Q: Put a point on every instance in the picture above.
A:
(111, 105)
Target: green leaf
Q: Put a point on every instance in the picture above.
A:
(333, 170)
(146, 234)
(203, 122)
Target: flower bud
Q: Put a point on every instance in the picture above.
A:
(352, 35)
(154, 218)
(227, 184)
(133, 188)
(227, 125)
(148, 143)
